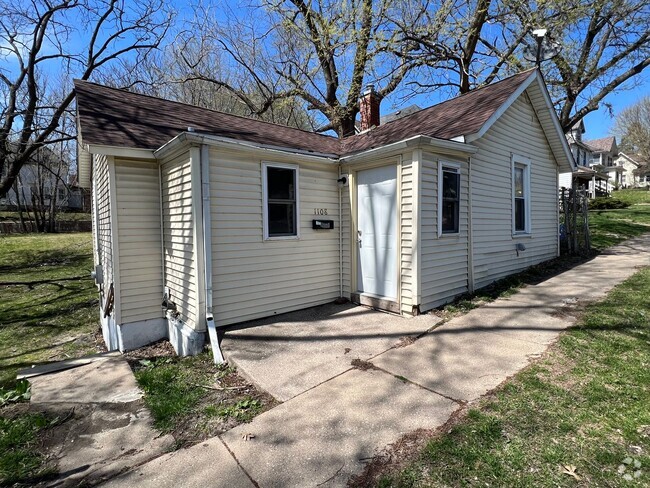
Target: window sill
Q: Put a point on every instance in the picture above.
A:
(527, 235)
(283, 238)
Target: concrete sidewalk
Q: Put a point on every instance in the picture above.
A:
(326, 433)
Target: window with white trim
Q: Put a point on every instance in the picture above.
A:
(520, 195)
(280, 200)
(448, 198)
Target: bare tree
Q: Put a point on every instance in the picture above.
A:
(632, 126)
(597, 47)
(319, 52)
(73, 38)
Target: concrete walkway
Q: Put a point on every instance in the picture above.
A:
(110, 429)
(324, 434)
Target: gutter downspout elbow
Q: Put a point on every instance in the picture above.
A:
(207, 253)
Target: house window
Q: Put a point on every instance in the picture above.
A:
(280, 200)
(520, 195)
(448, 199)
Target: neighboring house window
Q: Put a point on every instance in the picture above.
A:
(280, 196)
(448, 198)
(520, 195)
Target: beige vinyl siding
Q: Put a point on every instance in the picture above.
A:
(178, 235)
(443, 268)
(103, 243)
(138, 216)
(517, 132)
(253, 278)
(407, 273)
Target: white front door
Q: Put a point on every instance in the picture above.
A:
(377, 231)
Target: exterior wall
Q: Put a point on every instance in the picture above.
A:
(444, 260)
(180, 275)
(516, 132)
(254, 278)
(406, 232)
(103, 245)
(138, 217)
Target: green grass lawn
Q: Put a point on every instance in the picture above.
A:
(48, 302)
(609, 227)
(578, 417)
(48, 312)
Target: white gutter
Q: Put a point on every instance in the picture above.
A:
(441, 145)
(470, 244)
(199, 138)
(204, 162)
(120, 152)
(340, 235)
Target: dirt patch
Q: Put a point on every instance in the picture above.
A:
(401, 453)
(362, 365)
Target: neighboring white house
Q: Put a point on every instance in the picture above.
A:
(225, 219)
(631, 177)
(44, 177)
(597, 171)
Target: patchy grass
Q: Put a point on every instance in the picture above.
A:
(48, 302)
(20, 460)
(510, 285)
(191, 397)
(577, 417)
(48, 312)
(610, 227)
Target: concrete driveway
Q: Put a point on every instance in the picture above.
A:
(294, 352)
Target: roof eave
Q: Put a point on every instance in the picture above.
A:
(198, 138)
(119, 151)
(444, 146)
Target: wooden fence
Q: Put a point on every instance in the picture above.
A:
(574, 221)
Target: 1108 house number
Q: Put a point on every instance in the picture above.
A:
(320, 211)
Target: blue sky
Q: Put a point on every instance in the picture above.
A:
(599, 123)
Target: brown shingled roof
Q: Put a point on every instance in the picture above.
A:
(601, 145)
(113, 117)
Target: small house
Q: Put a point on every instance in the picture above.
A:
(204, 219)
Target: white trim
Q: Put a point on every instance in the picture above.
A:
(265, 203)
(441, 145)
(115, 247)
(501, 110)
(470, 237)
(454, 166)
(556, 123)
(120, 152)
(416, 250)
(197, 138)
(521, 161)
(198, 241)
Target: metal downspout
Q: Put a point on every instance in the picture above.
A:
(207, 253)
(340, 236)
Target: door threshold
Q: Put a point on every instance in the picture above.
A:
(378, 303)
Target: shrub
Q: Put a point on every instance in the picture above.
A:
(602, 203)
